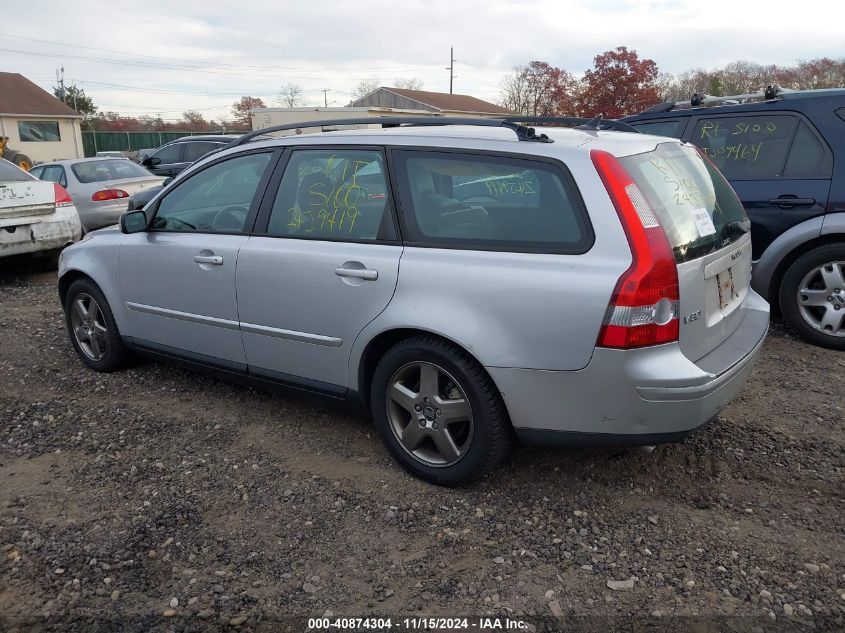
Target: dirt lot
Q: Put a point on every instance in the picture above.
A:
(167, 500)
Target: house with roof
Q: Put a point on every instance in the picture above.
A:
(379, 103)
(36, 123)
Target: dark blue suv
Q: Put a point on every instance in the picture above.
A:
(784, 154)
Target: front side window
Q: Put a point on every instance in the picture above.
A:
(31, 131)
(169, 154)
(216, 199)
(333, 195)
(747, 147)
(492, 202)
(108, 169)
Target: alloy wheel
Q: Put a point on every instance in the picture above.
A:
(429, 414)
(821, 298)
(89, 326)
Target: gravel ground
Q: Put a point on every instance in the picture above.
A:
(166, 500)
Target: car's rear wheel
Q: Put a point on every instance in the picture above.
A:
(812, 296)
(438, 411)
(23, 161)
(92, 329)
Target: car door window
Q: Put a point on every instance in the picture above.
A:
(216, 199)
(169, 154)
(333, 194)
(673, 128)
(808, 158)
(747, 147)
(501, 203)
(196, 150)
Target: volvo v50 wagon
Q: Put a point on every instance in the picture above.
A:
(465, 284)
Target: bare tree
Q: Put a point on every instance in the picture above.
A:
(365, 87)
(290, 95)
(411, 83)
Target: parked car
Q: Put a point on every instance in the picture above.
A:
(35, 216)
(784, 154)
(109, 155)
(100, 187)
(171, 158)
(598, 307)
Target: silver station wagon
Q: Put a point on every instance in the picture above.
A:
(465, 282)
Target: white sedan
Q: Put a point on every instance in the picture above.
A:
(100, 187)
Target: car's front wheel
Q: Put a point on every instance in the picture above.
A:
(438, 411)
(812, 296)
(92, 329)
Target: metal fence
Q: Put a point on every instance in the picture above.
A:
(93, 142)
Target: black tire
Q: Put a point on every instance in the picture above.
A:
(490, 438)
(791, 284)
(115, 356)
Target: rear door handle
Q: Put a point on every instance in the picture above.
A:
(789, 201)
(214, 260)
(358, 273)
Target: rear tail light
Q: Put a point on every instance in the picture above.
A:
(109, 194)
(644, 307)
(63, 198)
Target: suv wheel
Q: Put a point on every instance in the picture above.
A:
(93, 332)
(438, 411)
(812, 296)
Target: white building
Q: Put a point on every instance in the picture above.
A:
(36, 123)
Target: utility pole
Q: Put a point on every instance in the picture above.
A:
(326, 97)
(451, 68)
(60, 80)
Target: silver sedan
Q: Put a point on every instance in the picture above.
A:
(100, 187)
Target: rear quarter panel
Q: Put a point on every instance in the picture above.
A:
(525, 310)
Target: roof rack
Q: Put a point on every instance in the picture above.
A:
(579, 123)
(703, 100)
(523, 133)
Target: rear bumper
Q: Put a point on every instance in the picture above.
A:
(632, 397)
(101, 214)
(45, 233)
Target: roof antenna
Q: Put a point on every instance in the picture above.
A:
(592, 124)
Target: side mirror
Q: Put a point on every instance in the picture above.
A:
(167, 181)
(134, 221)
(154, 160)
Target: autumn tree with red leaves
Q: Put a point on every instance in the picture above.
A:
(240, 111)
(620, 83)
(538, 89)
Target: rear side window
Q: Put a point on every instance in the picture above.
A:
(10, 173)
(694, 203)
(490, 202)
(749, 147)
(107, 169)
(333, 195)
(54, 173)
(808, 158)
(673, 128)
(198, 149)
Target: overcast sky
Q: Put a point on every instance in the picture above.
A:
(166, 57)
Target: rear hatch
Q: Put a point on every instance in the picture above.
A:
(709, 233)
(22, 196)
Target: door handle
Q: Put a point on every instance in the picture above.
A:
(789, 201)
(358, 273)
(214, 260)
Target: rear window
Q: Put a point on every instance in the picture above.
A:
(491, 202)
(10, 173)
(695, 204)
(109, 169)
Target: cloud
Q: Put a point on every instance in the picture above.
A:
(221, 50)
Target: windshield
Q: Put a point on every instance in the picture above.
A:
(109, 169)
(694, 203)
